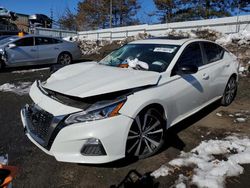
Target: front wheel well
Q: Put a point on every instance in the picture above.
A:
(66, 52)
(234, 75)
(156, 106)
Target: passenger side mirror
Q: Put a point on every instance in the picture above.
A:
(187, 69)
(11, 45)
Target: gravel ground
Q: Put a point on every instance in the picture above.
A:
(36, 169)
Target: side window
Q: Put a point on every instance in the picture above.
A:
(25, 42)
(44, 41)
(191, 56)
(213, 52)
(57, 41)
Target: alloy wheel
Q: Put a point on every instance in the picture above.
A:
(230, 92)
(146, 135)
(65, 59)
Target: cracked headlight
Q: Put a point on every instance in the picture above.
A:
(99, 110)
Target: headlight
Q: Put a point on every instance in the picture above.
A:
(99, 110)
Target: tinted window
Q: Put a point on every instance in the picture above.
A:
(45, 41)
(191, 55)
(57, 41)
(25, 42)
(213, 52)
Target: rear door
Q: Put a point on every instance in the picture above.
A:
(25, 53)
(48, 49)
(215, 67)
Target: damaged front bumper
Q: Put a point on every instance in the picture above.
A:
(93, 142)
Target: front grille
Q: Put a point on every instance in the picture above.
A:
(40, 122)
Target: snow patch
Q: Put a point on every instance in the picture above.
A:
(21, 88)
(162, 171)
(240, 38)
(30, 70)
(212, 162)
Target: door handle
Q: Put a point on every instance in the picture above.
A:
(56, 48)
(33, 50)
(205, 76)
(227, 65)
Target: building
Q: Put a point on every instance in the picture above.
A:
(22, 22)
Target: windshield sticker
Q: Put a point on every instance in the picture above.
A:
(157, 63)
(165, 50)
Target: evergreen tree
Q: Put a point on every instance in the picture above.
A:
(124, 12)
(167, 9)
(96, 14)
(184, 10)
(92, 14)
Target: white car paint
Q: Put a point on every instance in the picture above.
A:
(90, 78)
(180, 96)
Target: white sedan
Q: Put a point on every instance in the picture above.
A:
(98, 112)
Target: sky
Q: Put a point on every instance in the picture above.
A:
(58, 7)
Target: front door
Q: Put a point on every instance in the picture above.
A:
(24, 53)
(188, 91)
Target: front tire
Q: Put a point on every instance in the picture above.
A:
(64, 58)
(146, 135)
(230, 92)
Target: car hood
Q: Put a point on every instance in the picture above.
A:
(91, 79)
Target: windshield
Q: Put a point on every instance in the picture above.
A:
(152, 57)
(7, 40)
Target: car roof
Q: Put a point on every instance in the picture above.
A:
(168, 40)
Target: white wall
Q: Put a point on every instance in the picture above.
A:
(224, 25)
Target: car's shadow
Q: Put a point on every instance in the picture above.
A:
(11, 69)
(172, 138)
(51, 67)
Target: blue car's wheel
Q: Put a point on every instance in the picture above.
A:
(64, 58)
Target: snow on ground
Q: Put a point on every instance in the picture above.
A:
(30, 70)
(21, 88)
(241, 116)
(211, 162)
(241, 38)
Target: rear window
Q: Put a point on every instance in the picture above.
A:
(213, 52)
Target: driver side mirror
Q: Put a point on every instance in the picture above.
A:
(187, 69)
(11, 45)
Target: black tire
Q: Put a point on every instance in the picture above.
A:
(146, 135)
(64, 58)
(229, 92)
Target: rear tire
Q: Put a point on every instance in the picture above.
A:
(64, 58)
(146, 135)
(230, 92)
